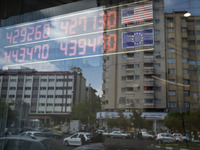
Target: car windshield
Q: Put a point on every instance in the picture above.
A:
(120, 72)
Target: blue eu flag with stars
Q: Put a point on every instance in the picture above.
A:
(138, 38)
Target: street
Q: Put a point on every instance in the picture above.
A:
(130, 143)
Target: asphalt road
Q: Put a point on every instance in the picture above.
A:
(130, 143)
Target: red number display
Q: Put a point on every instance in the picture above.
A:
(8, 55)
(16, 35)
(38, 33)
(82, 45)
(73, 48)
(22, 55)
(9, 36)
(72, 26)
(23, 34)
(30, 52)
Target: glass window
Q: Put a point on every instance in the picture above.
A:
(171, 71)
(183, 29)
(184, 50)
(171, 50)
(184, 60)
(171, 93)
(171, 60)
(172, 104)
(170, 29)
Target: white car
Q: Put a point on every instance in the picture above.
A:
(165, 138)
(119, 134)
(148, 136)
(77, 139)
(179, 137)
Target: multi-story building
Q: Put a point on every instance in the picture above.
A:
(182, 55)
(50, 95)
(130, 79)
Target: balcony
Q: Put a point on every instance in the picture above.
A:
(149, 82)
(149, 96)
(148, 59)
(149, 92)
(148, 70)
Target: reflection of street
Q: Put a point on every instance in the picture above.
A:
(129, 143)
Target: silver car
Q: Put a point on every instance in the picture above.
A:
(165, 138)
(119, 134)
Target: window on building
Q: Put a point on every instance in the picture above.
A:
(192, 52)
(170, 40)
(192, 62)
(137, 77)
(185, 71)
(123, 89)
(171, 60)
(50, 88)
(27, 96)
(51, 80)
(137, 66)
(193, 72)
(156, 65)
(184, 40)
(156, 21)
(28, 80)
(191, 42)
(171, 93)
(43, 80)
(170, 20)
(172, 104)
(190, 23)
(42, 96)
(191, 32)
(171, 71)
(183, 20)
(130, 77)
(156, 11)
(184, 60)
(186, 93)
(193, 94)
(171, 50)
(184, 50)
(193, 83)
(12, 88)
(49, 96)
(148, 100)
(123, 78)
(157, 32)
(185, 81)
(183, 29)
(186, 104)
(170, 29)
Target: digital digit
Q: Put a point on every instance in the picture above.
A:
(16, 36)
(82, 44)
(31, 33)
(65, 26)
(102, 41)
(95, 22)
(73, 26)
(9, 36)
(92, 44)
(22, 54)
(15, 55)
(73, 47)
(45, 51)
(84, 21)
(30, 53)
(8, 55)
(102, 21)
(112, 42)
(23, 34)
(114, 19)
(38, 33)
(38, 47)
(64, 48)
(46, 31)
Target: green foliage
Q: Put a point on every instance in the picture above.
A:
(178, 121)
(85, 111)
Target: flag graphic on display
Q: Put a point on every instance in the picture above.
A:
(137, 13)
(137, 38)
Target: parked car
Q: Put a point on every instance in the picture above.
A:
(52, 133)
(104, 133)
(35, 134)
(28, 143)
(119, 134)
(78, 138)
(180, 138)
(165, 138)
(148, 136)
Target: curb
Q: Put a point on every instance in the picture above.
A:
(170, 148)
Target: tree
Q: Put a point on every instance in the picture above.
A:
(85, 111)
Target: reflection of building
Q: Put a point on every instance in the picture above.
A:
(182, 54)
(128, 79)
(50, 94)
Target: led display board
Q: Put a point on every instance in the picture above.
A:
(84, 33)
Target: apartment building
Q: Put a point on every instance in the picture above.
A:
(129, 78)
(50, 95)
(182, 56)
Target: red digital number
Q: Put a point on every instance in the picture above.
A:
(45, 51)
(15, 55)
(9, 36)
(23, 34)
(64, 48)
(84, 22)
(65, 26)
(30, 53)
(16, 36)
(73, 47)
(82, 44)
(73, 26)
(46, 31)
(38, 33)
(8, 55)
(95, 22)
(38, 47)
(102, 21)
(93, 45)
(22, 54)
(114, 19)
(31, 33)
(112, 42)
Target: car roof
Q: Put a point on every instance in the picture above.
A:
(27, 138)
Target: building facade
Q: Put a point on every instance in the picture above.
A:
(50, 95)
(182, 56)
